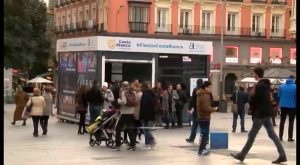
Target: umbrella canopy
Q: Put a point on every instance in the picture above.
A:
(280, 73)
(39, 80)
(274, 81)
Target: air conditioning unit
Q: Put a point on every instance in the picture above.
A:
(258, 33)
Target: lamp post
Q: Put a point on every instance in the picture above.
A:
(222, 52)
(118, 11)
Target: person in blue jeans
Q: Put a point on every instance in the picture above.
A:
(147, 114)
(287, 103)
(95, 99)
(261, 107)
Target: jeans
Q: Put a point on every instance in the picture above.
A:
(257, 124)
(284, 112)
(242, 118)
(194, 127)
(204, 129)
(35, 120)
(170, 116)
(44, 123)
(128, 121)
(94, 112)
(147, 130)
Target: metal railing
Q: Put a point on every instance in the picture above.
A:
(67, 27)
(79, 26)
(186, 29)
(207, 30)
(163, 28)
(141, 27)
(279, 2)
(277, 33)
(234, 0)
(73, 27)
(259, 1)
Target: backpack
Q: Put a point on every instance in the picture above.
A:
(131, 98)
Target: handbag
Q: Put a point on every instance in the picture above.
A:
(28, 108)
(234, 105)
(25, 114)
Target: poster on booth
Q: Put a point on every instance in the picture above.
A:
(87, 62)
(67, 62)
(193, 84)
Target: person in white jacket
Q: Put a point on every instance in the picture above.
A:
(37, 110)
(107, 95)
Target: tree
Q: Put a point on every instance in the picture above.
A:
(26, 42)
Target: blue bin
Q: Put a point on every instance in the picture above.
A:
(218, 140)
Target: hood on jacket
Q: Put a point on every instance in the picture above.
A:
(202, 92)
(289, 81)
(199, 83)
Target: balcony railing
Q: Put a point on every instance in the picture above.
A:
(234, 0)
(79, 26)
(61, 28)
(163, 28)
(73, 27)
(88, 24)
(102, 27)
(67, 28)
(277, 33)
(186, 29)
(279, 2)
(259, 1)
(207, 30)
(141, 27)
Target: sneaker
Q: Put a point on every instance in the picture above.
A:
(148, 147)
(131, 148)
(291, 140)
(189, 141)
(115, 148)
(203, 153)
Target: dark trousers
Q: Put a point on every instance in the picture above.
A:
(170, 116)
(179, 116)
(35, 120)
(257, 124)
(204, 129)
(194, 126)
(284, 112)
(94, 112)
(81, 124)
(44, 123)
(240, 113)
(128, 121)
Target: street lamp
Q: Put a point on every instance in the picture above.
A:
(222, 52)
(118, 11)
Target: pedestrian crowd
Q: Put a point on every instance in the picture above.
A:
(142, 107)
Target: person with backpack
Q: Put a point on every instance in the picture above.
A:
(95, 100)
(128, 102)
(179, 105)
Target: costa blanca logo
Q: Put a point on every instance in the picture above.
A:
(111, 43)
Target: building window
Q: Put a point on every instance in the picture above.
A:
(256, 25)
(207, 22)
(138, 17)
(293, 56)
(162, 20)
(275, 55)
(231, 21)
(185, 19)
(232, 54)
(275, 26)
(255, 55)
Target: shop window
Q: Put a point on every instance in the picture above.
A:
(293, 56)
(138, 17)
(231, 54)
(255, 55)
(275, 55)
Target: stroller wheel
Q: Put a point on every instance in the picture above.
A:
(92, 142)
(122, 140)
(109, 143)
(98, 142)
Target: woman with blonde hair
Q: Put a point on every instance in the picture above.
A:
(20, 101)
(38, 104)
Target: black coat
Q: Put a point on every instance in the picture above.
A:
(147, 106)
(94, 96)
(181, 99)
(241, 100)
(260, 100)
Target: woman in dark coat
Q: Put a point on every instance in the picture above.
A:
(20, 101)
(81, 108)
(147, 114)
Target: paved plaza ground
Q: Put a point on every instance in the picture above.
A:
(62, 146)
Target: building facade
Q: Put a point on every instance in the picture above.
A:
(255, 31)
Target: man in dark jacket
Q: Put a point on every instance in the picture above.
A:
(95, 100)
(194, 112)
(147, 114)
(179, 105)
(260, 103)
(240, 98)
(159, 93)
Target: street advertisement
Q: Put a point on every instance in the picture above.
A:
(275, 55)
(232, 54)
(193, 84)
(86, 62)
(67, 62)
(255, 55)
(293, 56)
(86, 79)
(77, 44)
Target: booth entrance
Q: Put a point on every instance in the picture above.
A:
(116, 70)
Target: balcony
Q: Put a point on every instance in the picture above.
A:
(67, 28)
(163, 28)
(88, 24)
(234, 0)
(95, 24)
(102, 27)
(186, 29)
(207, 30)
(61, 28)
(277, 33)
(79, 26)
(235, 31)
(279, 2)
(57, 30)
(140, 27)
(259, 1)
(73, 27)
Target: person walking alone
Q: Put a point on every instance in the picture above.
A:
(240, 98)
(287, 103)
(261, 107)
(20, 100)
(193, 105)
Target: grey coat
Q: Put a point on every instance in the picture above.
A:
(48, 109)
(165, 102)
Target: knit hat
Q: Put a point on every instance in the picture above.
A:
(105, 84)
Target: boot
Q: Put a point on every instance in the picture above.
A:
(79, 130)
(13, 123)
(24, 123)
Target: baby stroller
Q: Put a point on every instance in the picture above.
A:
(103, 128)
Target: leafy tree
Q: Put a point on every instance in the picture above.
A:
(26, 42)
